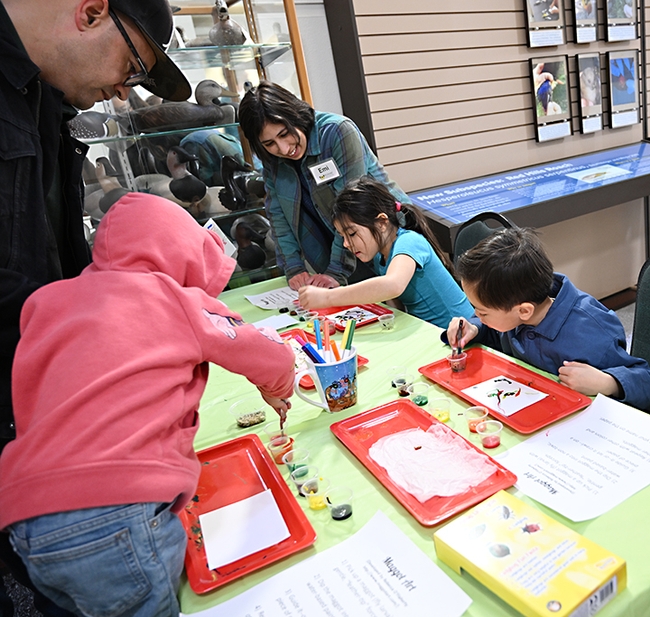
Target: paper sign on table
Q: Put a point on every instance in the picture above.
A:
(377, 571)
(504, 395)
(242, 528)
(276, 322)
(275, 299)
(588, 464)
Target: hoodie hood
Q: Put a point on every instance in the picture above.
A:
(145, 233)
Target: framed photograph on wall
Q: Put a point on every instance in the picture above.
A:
(621, 20)
(545, 22)
(551, 102)
(585, 21)
(591, 93)
(623, 74)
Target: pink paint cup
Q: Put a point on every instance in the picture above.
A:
(474, 416)
(490, 433)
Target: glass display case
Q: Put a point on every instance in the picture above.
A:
(193, 152)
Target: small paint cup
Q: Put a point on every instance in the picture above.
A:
(248, 411)
(457, 362)
(402, 381)
(273, 431)
(295, 458)
(309, 320)
(474, 416)
(279, 446)
(314, 490)
(387, 321)
(490, 433)
(439, 408)
(300, 475)
(339, 502)
(419, 393)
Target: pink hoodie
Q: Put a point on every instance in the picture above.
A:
(111, 366)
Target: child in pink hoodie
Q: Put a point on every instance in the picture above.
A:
(107, 381)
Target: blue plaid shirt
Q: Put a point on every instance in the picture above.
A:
(297, 239)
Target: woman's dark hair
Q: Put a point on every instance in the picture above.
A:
(269, 102)
(362, 200)
(507, 268)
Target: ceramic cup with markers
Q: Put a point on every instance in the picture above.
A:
(474, 416)
(490, 433)
(339, 501)
(336, 382)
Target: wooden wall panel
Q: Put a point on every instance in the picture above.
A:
(449, 89)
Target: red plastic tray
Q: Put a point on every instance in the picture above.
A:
(483, 365)
(230, 472)
(358, 433)
(307, 382)
(371, 308)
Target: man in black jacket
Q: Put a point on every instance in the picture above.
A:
(57, 56)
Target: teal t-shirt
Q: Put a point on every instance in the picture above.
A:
(432, 294)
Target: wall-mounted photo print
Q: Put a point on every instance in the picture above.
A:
(623, 69)
(550, 81)
(545, 19)
(584, 21)
(590, 89)
(621, 20)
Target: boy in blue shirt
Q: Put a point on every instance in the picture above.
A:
(531, 313)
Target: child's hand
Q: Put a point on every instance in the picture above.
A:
(588, 380)
(311, 297)
(469, 332)
(281, 406)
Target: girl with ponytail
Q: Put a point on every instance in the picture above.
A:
(397, 241)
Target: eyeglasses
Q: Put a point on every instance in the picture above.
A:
(141, 76)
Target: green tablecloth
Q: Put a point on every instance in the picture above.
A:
(413, 343)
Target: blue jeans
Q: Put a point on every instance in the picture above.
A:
(118, 561)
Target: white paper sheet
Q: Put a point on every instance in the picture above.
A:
(504, 395)
(277, 322)
(275, 299)
(242, 528)
(377, 571)
(588, 464)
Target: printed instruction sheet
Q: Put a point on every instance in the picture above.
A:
(588, 464)
(378, 571)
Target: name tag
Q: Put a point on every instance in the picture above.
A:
(325, 171)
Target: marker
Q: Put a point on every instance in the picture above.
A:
(335, 349)
(348, 341)
(319, 341)
(346, 333)
(314, 356)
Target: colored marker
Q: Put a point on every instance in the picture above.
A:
(346, 333)
(335, 349)
(319, 341)
(348, 341)
(314, 356)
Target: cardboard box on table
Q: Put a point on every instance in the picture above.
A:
(534, 563)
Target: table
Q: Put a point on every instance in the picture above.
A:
(543, 194)
(413, 343)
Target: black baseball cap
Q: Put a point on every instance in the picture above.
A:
(154, 20)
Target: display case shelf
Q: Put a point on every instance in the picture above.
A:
(232, 57)
(129, 140)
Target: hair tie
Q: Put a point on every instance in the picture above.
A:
(401, 219)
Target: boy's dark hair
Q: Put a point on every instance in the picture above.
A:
(362, 200)
(507, 268)
(269, 102)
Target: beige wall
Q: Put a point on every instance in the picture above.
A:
(450, 97)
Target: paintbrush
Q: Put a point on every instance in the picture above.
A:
(459, 335)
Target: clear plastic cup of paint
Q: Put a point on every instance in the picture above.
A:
(248, 411)
(387, 322)
(457, 362)
(295, 458)
(419, 393)
(279, 446)
(273, 431)
(339, 502)
(402, 381)
(474, 416)
(314, 490)
(439, 408)
(490, 433)
(300, 475)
